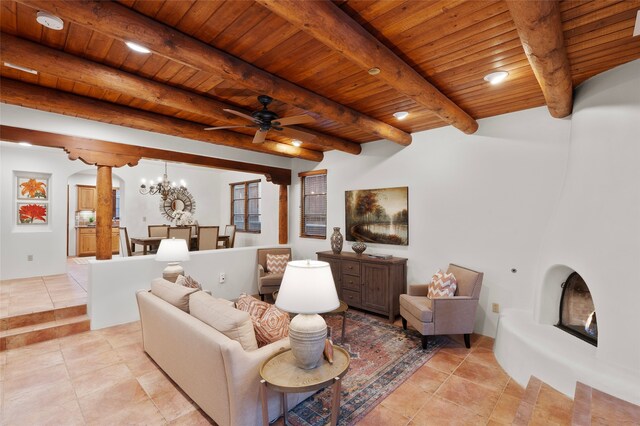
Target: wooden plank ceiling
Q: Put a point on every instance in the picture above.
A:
(452, 44)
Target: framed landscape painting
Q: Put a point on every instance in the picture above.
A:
(378, 215)
(33, 213)
(33, 188)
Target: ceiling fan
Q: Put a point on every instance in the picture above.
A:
(265, 120)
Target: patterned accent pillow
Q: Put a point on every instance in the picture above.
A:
(188, 281)
(442, 285)
(277, 263)
(273, 326)
(256, 308)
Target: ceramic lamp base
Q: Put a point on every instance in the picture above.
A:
(172, 271)
(307, 333)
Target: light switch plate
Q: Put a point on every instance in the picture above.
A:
(495, 307)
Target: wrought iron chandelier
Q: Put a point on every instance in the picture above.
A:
(164, 187)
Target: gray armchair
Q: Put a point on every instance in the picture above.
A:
(446, 315)
(268, 283)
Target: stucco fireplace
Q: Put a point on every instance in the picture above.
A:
(577, 311)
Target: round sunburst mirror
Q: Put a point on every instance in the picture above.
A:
(177, 201)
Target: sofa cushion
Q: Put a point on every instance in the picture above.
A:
(442, 285)
(172, 293)
(277, 263)
(272, 326)
(231, 322)
(188, 281)
(418, 306)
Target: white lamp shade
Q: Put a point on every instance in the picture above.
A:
(172, 250)
(307, 288)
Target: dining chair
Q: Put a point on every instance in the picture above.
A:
(181, 232)
(158, 230)
(229, 231)
(208, 237)
(194, 230)
(125, 244)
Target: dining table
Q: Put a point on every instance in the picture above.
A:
(151, 243)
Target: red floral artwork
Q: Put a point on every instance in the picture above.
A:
(31, 213)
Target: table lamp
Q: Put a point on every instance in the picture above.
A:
(172, 251)
(307, 289)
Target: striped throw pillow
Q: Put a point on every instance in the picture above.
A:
(277, 263)
(442, 285)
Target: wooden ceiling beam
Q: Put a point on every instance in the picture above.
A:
(540, 29)
(36, 97)
(119, 22)
(64, 65)
(70, 144)
(327, 23)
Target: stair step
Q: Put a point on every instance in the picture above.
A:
(34, 333)
(39, 317)
(542, 404)
(591, 406)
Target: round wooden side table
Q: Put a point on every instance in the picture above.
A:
(281, 374)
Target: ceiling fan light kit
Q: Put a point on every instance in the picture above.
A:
(265, 120)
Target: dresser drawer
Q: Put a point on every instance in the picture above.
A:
(351, 297)
(351, 268)
(351, 282)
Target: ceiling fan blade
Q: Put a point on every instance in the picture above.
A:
(224, 127)
(240, 114)
(297, 134)
(294, 119)
(260, 136)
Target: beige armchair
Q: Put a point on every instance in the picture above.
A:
(268, 283)
(446, 315)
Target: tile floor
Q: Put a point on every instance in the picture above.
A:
(104, 377)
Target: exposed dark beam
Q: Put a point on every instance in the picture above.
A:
(119, 22)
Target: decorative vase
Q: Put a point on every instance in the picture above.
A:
(359, 247)
(336, 240)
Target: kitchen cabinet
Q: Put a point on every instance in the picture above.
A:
(87, 197)
(368, 283)
(86, 241)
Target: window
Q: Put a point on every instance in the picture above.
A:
(313, 208)
(245, 206)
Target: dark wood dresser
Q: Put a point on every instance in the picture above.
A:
(368, 283)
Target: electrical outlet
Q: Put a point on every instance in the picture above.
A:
(495, 307)
(30, 258)
(144, 218)
(222, 277)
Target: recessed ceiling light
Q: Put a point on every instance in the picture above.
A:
(496, 77)
(18, 67)
(374, 71)
(137, 47)
(24, 144)
(401, 115)
(50, 21)
(296, 142)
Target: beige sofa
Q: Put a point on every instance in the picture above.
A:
(213, 369)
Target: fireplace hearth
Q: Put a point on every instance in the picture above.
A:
(577, 310)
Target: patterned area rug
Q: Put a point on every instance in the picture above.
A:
(383, 356)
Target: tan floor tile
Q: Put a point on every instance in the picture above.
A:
(33, 350)
(406, 400)
(194, 418)
(552, 407)
(141, 365)
(444, 362)
(505, 410)
(155, 383)
(481, 374)
(514, 389)
(131, 351)
(485, 357)
(85, 349)
(104, 402)
(381, 415)
(67, 414)
(604, 406)
(81, 366)
(477, 398)
(103, 378)
(173, 404)
(125, 339)
(43, 397)
(31, 365)
(141, 413)
(14, 388)
(459, 351)
(70, 302)
(441, 412)
(428, 379)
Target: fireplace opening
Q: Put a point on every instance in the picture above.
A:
(577, 311)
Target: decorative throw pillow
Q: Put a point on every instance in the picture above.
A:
(256, 308)
(188, 281)
(442, 285)
(277, 263)
(169, 292)
(273, 326)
